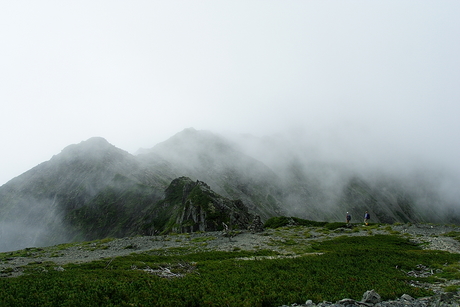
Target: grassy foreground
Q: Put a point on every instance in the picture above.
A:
(347, 267)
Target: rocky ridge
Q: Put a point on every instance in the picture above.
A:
(94, 190)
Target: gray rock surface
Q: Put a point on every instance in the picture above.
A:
(371, 297)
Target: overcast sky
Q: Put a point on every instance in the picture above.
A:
(381, 78)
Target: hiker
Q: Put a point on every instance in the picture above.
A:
(348, 218)
(367, 217)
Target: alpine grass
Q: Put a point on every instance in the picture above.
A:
(344, 267)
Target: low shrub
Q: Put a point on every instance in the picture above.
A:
(453, 234)
(346, 267)
(276, 222)
(335, 225)
(280, 221)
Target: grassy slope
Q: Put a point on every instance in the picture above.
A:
(347, 268)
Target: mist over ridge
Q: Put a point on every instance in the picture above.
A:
(373, 82)
(313, 172)
(330, 167)
(93, 189)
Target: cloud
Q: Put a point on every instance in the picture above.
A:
(372, 81)
(32, 223)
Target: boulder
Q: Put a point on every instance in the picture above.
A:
(407, 297)
(256, 225)
(371, 296)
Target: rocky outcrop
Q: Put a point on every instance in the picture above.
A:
(256, 225)
(198, 208)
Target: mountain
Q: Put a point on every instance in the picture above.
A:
(37, 205)
(93, 190)
(211, 158)
(321, 185)
(197, 180)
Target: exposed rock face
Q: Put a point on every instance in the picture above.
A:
(200, 209)
(256, 225)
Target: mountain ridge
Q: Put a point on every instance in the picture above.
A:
(95, 184)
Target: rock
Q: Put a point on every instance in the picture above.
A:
(371, 296)
(407, 297)
(309, 303)
(202, 209)
(256, 225)
(346, 302)
(447, 297)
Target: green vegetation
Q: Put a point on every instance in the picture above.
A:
(280, 221)
(27, 252)
(452, 288)
(339, 268)
(453, 234)
(203, 239)
(115, 211)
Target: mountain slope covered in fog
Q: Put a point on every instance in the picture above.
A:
(322, 183)
(204, 156)
(94, 190)
(39, 206)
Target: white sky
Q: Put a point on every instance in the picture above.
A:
(375, 77)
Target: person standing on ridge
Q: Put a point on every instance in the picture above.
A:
(367, 216)
(348, 218)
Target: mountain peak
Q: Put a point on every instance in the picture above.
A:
(94, 142)
(91, 148)
(189, 130)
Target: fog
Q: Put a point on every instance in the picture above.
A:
(363, 85)
(32, 223)
(324, 173)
